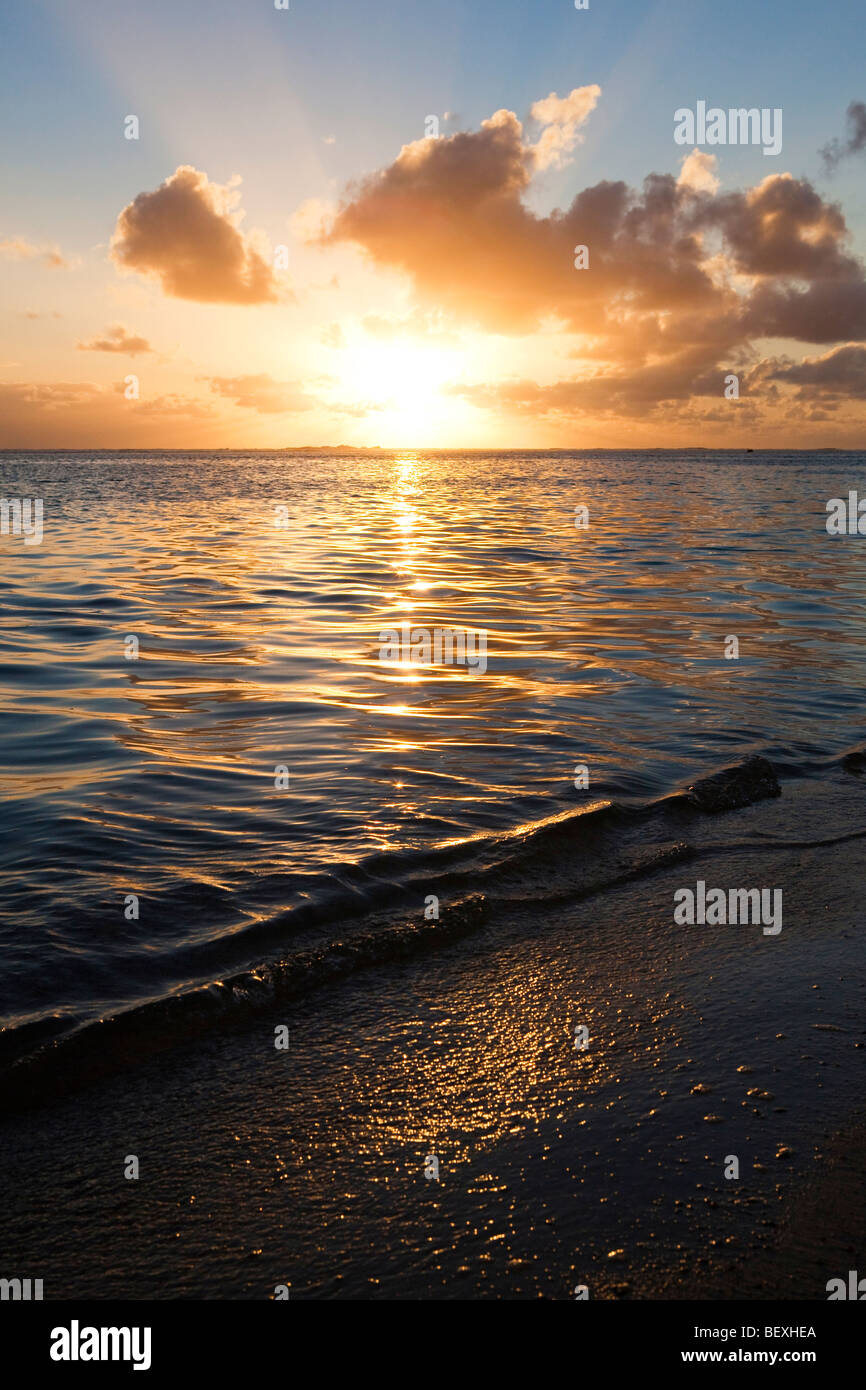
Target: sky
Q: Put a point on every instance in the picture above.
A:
(227, 225)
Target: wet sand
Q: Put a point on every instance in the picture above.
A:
(558, 1167)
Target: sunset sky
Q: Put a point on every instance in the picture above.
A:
(427, 294)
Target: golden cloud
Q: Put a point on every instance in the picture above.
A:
(680, 283)
(117, 338)
(186, 234)
(18, 249)
(262, 393)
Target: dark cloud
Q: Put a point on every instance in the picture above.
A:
(841, 372)
(827, 312)
(780, 229)
(855, 138)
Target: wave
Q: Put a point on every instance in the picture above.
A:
(563, 857)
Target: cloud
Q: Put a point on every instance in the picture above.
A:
(682, 283)
(332, 336)
(170, 405)
(186, 234)
(780, 229)
(855, 141)
(608, 392)
(17, 249)
(356, 410)
(262, 393)
(841, 372)
(562, 118)
(827, 312)
(420, 324)
(683, 389)
(117, 338)
(72, 415)
(269, 397)
(56, 395)
(310, 221)
(698, 172)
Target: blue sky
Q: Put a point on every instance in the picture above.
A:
(235, 86)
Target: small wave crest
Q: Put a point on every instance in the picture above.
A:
(569, 855)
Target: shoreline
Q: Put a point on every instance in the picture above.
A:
(558, 1167)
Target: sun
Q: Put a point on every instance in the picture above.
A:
(401, 383)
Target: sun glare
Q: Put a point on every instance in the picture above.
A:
(400, 382)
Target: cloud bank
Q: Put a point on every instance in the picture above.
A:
(683, 280)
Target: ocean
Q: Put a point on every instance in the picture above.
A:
(209, 768)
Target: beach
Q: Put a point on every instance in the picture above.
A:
(560, 1168)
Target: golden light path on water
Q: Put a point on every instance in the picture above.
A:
(257, 588)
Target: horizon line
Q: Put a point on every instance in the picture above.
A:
(438, 449)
